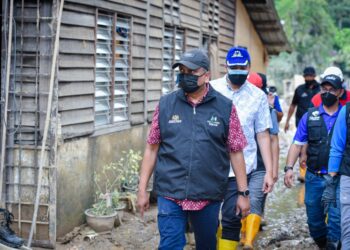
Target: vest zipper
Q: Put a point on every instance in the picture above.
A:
(191, 154)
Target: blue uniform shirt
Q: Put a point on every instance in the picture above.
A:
(277, 104)
(338, 142)
(301, 136)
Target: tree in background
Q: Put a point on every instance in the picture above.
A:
(317, 31)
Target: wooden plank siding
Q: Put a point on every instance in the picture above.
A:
(76, 73)
(226, 30)
(77, 53)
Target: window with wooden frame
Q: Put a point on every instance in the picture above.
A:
(112, 77)
(213, 16)
(173, 47)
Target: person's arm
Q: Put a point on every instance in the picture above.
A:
(290, 113)
(147, 167)
(275, 149)
(236, 142)
(292, 157)
(277, 107)
(338, 143)
(300, 139)
(264, 142)
(238, 166)
(262, 124)
(291, 110)
(148, 162)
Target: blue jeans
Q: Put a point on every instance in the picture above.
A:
(345, 211)
(172, 221)
(316, 219)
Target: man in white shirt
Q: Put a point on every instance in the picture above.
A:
(253, 112)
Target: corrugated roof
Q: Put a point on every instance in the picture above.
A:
(268, 25)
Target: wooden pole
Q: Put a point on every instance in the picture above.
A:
(47, 123)
(4, 122)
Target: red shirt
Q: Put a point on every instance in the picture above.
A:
(316, 100)
(236, 142)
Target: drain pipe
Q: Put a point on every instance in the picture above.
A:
(4, 121)
(47, 123)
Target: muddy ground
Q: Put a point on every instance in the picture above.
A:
(285, 215)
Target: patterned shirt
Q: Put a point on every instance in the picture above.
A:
(253, 113)
(236, 141)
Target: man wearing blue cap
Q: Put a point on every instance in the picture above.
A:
(194, 136)
(254, 115)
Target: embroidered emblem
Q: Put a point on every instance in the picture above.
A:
(213, 121)
(304, 94)
(315, 116)
(237, 54)
(175, 119)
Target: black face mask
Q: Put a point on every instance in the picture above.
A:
(188, 82)
(310, 83)
(328, 99)
(237, 77)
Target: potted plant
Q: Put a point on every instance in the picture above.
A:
(119, 206)
(130, 165)
(103, 213)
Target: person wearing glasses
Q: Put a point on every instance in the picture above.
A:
(195, 135)
(315, 130)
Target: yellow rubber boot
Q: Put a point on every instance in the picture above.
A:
(302, 172)
(223, 244)
(252, 229)
(243, 231)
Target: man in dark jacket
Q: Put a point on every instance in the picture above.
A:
(302, 96)
(194, 136)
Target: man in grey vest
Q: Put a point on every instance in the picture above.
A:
(195, 134)
(315, 130)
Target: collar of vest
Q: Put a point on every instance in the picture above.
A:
(210, 95)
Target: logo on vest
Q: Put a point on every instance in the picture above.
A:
(213, 121)
(175, 119)
(315, 116)
(304, 94)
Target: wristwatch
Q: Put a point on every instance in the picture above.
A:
(244, 193)
(286, 168)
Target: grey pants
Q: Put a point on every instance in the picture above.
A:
(257, 196)
(345, 211)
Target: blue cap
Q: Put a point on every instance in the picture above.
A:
(237, 56)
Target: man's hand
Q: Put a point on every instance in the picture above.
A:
(329, 196)
(243, 206)
(268, 183)
(286, 127)
(142, 201)
(275, 176)
(289, 178)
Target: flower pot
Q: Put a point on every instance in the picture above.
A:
(120, 210)
(100, 223)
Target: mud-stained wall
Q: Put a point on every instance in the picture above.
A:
(247, 36)
(76, 163)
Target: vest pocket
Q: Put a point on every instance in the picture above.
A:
(314, 133)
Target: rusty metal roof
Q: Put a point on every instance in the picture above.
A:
(268, 25)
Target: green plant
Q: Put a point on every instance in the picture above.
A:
(130, 165)
(112, 178)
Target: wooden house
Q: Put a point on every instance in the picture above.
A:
(112, 66)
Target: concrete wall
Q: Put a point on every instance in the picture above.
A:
(247, 36)
(77, 161)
